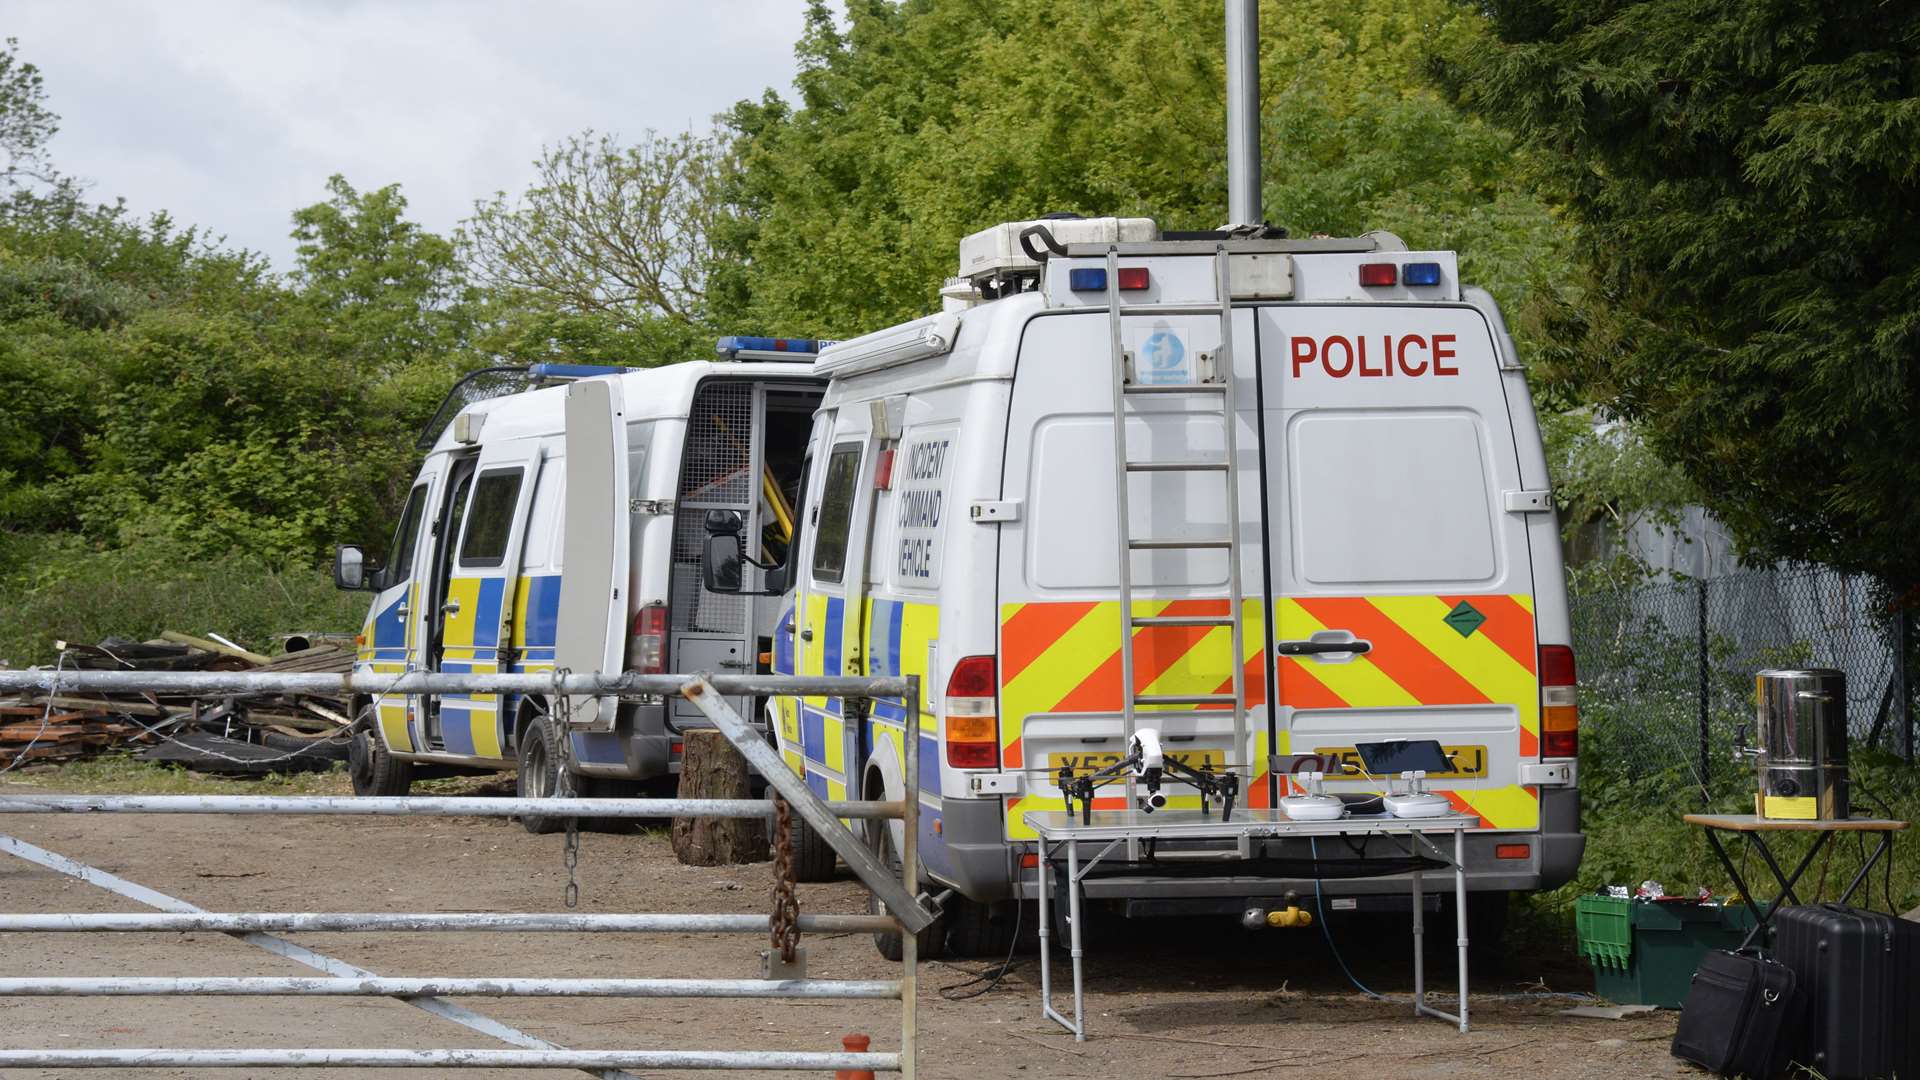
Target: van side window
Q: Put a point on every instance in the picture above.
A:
(836, 512)
(406, 537)
(490, 518)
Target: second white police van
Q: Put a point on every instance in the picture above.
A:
(557, 522)
(1327, 453)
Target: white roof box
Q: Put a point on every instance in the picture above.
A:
(996, 251)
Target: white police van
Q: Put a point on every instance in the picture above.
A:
(556, 521)
(1330, 500)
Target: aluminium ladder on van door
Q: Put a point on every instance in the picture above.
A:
(1217, 385)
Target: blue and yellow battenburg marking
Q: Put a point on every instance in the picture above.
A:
(896, 641)
(470, 724)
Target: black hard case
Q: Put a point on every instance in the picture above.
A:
(1744, 1017)
(1860, 973)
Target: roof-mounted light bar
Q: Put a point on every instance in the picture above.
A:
(769, 348)
(901, 344)
(574, 371)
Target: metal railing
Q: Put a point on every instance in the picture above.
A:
(904, 914)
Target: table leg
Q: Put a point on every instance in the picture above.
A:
(1746, 893)
(1460, 914)
(1884, 847)
(1073, 936)
(1787, 883)
(1419, 947)
(1046, 935)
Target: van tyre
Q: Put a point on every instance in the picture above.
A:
(814, 860)
(372, 770)
(979, 931)
(933, 940)
(543, 774)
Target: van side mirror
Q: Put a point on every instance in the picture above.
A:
(724, 553)
(350, 567)
(720, 562)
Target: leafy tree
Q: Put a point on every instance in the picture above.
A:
(919, 123)
(620, 233)
(1746, 178)
(25, 121)
(389, 290)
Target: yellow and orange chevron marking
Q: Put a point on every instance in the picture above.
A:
(1065, 658)
(1417, 659)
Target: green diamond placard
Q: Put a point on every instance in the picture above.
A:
(1464, 618)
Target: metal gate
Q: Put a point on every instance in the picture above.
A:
(905, 914)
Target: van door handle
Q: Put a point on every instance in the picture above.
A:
(451, 607)
(1317, 648)
(807, 634)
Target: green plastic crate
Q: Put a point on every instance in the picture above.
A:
(1645, 953)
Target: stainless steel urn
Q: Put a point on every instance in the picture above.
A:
(1802, 752)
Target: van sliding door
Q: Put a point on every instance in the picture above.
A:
(481, 593)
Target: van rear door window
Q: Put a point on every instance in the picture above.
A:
(490, 518)
(836, 512)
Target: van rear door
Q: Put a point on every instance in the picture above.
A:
(1389, 452)
(591, 632)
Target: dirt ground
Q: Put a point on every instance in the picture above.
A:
(1198, 1000)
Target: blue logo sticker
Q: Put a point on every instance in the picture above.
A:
(1163, 359)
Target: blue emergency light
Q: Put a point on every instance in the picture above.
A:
(1427, 273)
(733, 347)
(573, 371)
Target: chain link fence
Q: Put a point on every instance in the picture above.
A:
(1666, 668)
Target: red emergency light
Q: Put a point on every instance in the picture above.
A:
(1379, 273)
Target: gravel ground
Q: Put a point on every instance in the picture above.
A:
(1197, 999)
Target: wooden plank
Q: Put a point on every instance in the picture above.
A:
(213, 646)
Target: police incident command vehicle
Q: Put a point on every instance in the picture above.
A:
(1327, 453)
(557, 522)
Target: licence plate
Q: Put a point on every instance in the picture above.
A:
(1470, 762)
(1084, 762)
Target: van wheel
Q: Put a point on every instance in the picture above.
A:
(933, 940)
(976, 930)
(370, 767)
(543, 775)
(814, 860)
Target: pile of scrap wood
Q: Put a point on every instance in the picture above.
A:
(239, 735)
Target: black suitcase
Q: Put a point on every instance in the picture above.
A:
(1744, 1017)
(1860, 973)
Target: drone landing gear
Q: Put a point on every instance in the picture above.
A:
(1144, 763)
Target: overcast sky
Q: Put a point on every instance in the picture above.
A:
(231, 115)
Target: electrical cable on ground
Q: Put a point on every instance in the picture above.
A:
(958, 991)
(1320, 915)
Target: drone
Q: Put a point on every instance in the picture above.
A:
(1145, 761)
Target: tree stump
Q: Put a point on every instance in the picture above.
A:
(710, 768)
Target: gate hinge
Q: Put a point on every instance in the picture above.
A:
(1536, 501)
(655, 507)
(988, 511)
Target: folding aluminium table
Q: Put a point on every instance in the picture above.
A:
(1109, 829)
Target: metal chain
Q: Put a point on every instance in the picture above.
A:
(571, 856)
(784, 921)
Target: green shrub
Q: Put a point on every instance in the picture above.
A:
(60, 587)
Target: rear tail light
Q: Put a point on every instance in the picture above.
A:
(1512, 851)
(647, 652)
(1559, 707)
(972, 720)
